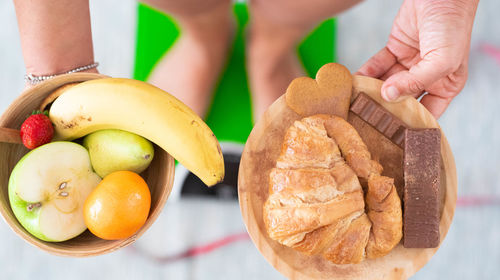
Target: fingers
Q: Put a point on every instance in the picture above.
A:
(414, 81)
(442, 92)
(394, 69)
(435, 104)
(422, 76)
(378, 64)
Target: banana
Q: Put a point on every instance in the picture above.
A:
(138, 107)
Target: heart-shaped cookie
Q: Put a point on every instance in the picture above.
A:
(329, 93)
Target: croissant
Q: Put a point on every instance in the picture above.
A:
(316, 204)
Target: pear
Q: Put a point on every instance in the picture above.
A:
(117, 150)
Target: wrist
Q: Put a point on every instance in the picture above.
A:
(41, 67)
(93, 70)
(33, 79)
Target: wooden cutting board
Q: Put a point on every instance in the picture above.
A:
(260, 154)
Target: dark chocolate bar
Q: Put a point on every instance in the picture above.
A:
(422, 168)
(379, 117)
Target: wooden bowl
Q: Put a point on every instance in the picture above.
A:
(159, 176)
(259, 156)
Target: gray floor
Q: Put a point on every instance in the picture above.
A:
(470, 251)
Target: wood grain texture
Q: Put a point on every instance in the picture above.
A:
(9, 135)
(259, 156)
(159, 176)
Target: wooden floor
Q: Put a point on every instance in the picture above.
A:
(471, 250)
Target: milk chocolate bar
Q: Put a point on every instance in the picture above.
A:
(422, 168)
(380, 118)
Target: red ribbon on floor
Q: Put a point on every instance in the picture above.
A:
(464, 201)
(491, 50)
(195, 251)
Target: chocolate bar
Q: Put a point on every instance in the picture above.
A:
(380, 118)
(422, 168)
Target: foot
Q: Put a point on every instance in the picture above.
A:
(272, 63)
(190, 70)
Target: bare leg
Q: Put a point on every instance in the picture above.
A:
(276, 28)
(190, 69)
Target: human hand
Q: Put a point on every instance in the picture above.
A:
(427, 51)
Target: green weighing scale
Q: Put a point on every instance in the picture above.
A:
(230, 113)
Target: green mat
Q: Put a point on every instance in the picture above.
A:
(230, 114)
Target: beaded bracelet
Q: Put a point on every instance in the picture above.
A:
(33, 80)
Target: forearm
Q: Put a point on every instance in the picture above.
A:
(55, 35)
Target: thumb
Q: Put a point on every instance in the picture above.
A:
(414, 81)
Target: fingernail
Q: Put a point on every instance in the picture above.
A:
(391, 93)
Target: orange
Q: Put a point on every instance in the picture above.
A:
(118, 207)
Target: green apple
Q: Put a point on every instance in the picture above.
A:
(114, 150)
(47, 190)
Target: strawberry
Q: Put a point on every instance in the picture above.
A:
(37, 130)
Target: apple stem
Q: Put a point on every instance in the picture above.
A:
(33, 206)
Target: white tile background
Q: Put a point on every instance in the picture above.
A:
(470, 251)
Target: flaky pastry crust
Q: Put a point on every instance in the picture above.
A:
(316, 204)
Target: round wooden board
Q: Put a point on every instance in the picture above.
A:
(259, 156)
(159, 176)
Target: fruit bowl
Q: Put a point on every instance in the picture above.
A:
(159, 176)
